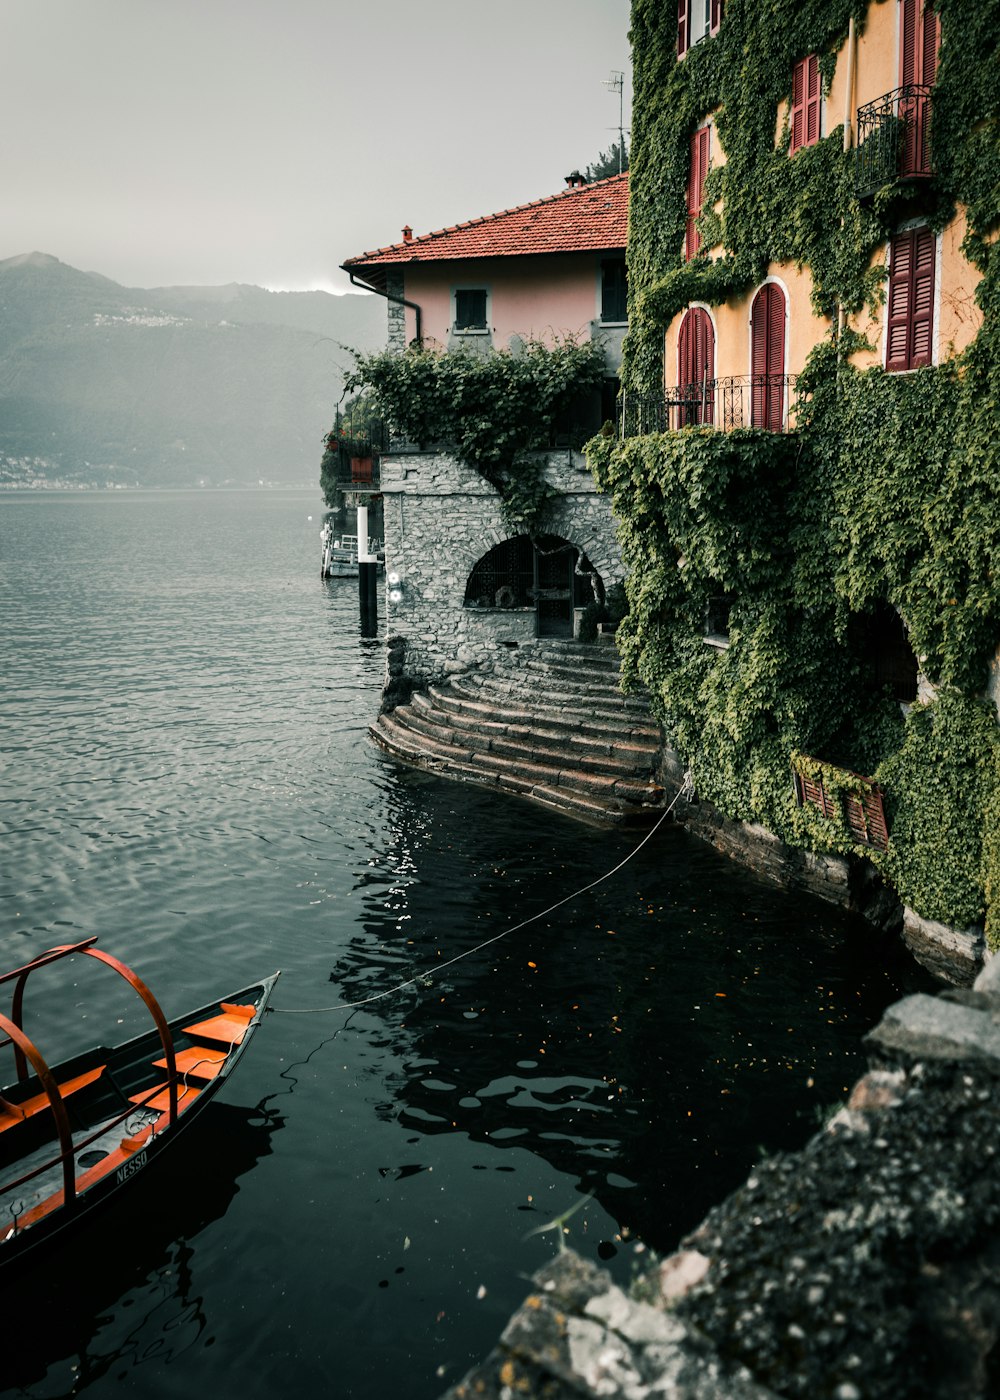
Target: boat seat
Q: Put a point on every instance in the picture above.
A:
(228, 1028)
(14, 1113)
(160, 1100)
(203, 1061)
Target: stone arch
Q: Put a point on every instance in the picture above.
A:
(546, 573)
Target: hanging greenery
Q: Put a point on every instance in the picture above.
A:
(493, 410)
(887, 493)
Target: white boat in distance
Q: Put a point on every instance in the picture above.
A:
(340, 554)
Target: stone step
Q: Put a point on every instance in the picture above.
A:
(562, 800)
(533, 682)
(524, 766)
(503, 733)
(601, 721)
(404, 735)
(600, 669)
(462, 699)
(548, 721)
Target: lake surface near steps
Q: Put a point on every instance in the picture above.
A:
(187, 774)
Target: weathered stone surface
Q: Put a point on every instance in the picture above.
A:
(581, 1335)
(921, 1026)
(954, 955)
(866, 1267)
(440, 518)
(989, 979)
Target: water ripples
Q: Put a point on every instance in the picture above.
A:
(187, 774)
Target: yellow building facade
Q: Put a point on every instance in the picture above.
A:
(872, 69)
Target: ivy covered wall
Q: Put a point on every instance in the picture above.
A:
(888, 492)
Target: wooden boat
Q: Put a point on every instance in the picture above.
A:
(73, 1134)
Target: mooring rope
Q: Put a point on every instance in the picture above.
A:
(685, 790)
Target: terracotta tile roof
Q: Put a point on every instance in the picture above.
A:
(576, 220)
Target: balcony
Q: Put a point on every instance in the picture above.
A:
(894, 140)
(740, 401)
(354, 462)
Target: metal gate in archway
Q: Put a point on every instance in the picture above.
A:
(547, 573)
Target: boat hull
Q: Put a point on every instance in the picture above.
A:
(117, 1102)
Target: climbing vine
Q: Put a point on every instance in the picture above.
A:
(887, 493)
(494, 410)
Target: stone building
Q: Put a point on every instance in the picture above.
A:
(545, 271)
(460, 588)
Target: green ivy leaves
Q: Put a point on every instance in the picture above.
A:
(493, 410)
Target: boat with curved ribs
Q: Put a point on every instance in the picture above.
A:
(75, 1133)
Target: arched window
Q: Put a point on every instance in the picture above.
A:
(696, 368)
(767, 358)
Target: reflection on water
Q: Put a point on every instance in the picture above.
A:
(646, 1040)
(184, 718)
(134, 1259)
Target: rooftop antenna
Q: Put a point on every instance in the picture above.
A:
(616, 83)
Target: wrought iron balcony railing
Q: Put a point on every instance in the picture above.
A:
(737, 401)
(894, 139)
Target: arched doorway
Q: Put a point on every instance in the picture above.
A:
(696, 368)
(545, 573)
(767, 358)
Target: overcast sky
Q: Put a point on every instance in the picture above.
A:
(165, 142)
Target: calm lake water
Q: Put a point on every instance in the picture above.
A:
(187, 774)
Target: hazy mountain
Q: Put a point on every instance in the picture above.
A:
(169, 386)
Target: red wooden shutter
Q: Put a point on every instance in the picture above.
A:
(918, 43)
(798, 105)
(918, 47)
(909, 15)
(805, 110)
(682, 27)
(813, 96)
(696, 368)
(700, 154)
(715, 17)
(929, 40)
(767, 357)
(910, 324)
(899, 302)
(922, 320)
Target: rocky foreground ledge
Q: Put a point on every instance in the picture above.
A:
(866, 1267)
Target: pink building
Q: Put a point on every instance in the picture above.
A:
(545, 270)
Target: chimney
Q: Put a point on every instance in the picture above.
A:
(574, 180)
(407, 234)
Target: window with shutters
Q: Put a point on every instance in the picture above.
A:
(910, 301)
(919, 35)
(700, 156)
(696, 369)
(767, 358)
(470, 309)
(614, 291)
(696, 20)
(806, 106)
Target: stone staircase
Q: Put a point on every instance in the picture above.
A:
(549, 722)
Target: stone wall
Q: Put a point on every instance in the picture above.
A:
(953, 955)
(441, 517)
